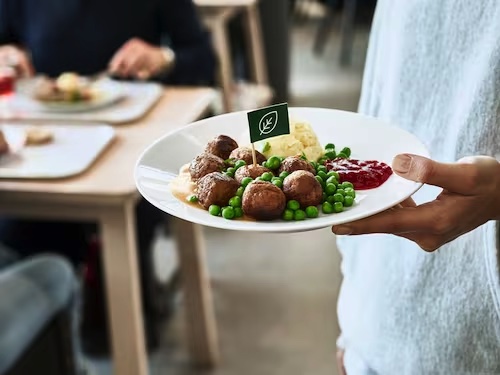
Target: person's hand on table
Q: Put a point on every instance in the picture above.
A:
(140, 60)
(17, 58)
(470, 198)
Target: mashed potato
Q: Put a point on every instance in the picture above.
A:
(301, 139)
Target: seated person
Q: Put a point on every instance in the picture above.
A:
(128, 39)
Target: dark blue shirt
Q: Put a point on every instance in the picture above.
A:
(83, 35)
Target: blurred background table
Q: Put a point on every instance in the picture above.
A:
(217, 14)
(106, 193)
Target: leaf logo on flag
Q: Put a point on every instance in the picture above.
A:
(268, 123)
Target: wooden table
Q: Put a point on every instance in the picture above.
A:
(106, 193)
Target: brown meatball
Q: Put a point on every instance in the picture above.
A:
(263, 201)
(295, 163)
(221, 146)
(204, 164)
(304, 188)
(250, 171)
(216, 188)
(245, 153)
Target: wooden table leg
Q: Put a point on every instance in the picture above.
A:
(121, 273)
(226, 78)
(255, 44)
(200, 319)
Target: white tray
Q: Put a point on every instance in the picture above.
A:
(73, 150)
(139, 98)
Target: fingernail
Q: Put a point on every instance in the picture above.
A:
(402, 163)
(342, 230)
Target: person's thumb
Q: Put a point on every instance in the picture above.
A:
(455, 177)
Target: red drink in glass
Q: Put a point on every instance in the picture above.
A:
(7, 77)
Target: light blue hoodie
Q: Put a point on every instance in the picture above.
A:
(433, 68)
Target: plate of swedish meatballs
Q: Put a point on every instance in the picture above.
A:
(334, 167)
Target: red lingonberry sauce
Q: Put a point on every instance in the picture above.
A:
(363, 174)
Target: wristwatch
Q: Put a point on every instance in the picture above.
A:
(169, 57)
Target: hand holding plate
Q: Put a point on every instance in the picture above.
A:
(470, 198)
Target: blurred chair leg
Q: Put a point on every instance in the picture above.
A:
(221, 43)
(348, 20)
(325, 27)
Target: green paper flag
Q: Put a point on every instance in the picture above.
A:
(268, 122)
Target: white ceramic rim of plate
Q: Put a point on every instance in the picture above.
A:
(276, 226)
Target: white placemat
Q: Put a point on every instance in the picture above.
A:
(139, 98)
(72, 151)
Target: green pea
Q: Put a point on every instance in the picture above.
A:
(330, 155)
(192, 198)
(230, 162)
(350, 192)
(239, 164)
(231, 170)
(330, 199)
(278, 182)
(347, 184)
(238, 212)
(322, 174)
(245, 181)
(266, 176)
(284, 175)
(293, 205)
(273, 162)
(348, 201)
(325, 197)
(240, 191)
(228, 213)
(314, 164)
(327, 208)
(322, 160)
(333, 174)
(338, 197)
(341, 191)
(342, 155)
(235, 201)
(322, 168)
(229, 174)
(288, 215)
(264, 163)
(338, 207)
(330, 189)
(321, 181)
(332, 180)
(267, 147)
(346, 151)
(329, 145)
(214, 210)
(299, 215)
(312, 211)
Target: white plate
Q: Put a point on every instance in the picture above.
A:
(107, 91)
(73, 150)
(368, 138)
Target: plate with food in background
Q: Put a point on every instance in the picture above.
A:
(71, 92)
(331, 167)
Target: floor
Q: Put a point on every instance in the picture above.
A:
(275, 295)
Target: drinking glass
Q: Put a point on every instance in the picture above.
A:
(7, 81)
